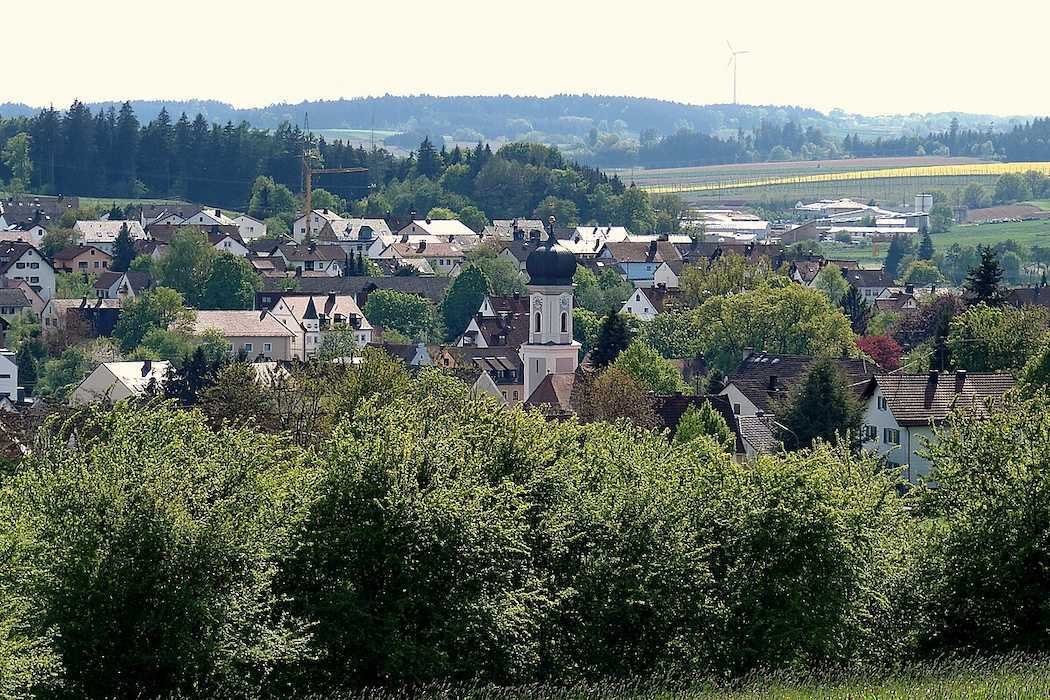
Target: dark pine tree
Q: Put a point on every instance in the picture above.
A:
(26, 367)
(123, 250)
(984, 282)
(613, 338)
(857, 310)
(926, 247)
(822, 406)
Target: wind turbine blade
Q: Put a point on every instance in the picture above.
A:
(731, 59)
(730, 46)
(740, 52)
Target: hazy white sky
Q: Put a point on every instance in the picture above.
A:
(892, 56)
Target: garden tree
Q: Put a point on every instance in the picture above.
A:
(473, 218)
(186, 264)
(857, 310)
(74, 285)
(884, 350)
(142, 263)
(1011, 263)
(441, 214)
(408, 314)
(321, 198)
(702, 420)
(670, 209)
(899, 248)
(979, 562)
(429, 163)
(231, 284)
(613, 395)
(188, 380)
(268, 199)
(941, 220)
(674, 334)
(957, 261)
(649, 369)
(26, 367)
(158, 308)
(156, 571)
(16, 156)
(932, 319)
(503, 275)
(1035, 375)
(462, 300)
(586, 326)
(975, 196)
(831, 281)
(727, 274)
(60, 375)
(163, 344)
(57, 239)
(820, 407)
(601, 293)
(563, 210)
(926, 247)
(987, 339)
(791, 320)
(613, 338)
(921, 273)
(636, 212)
(236, 398)
(984, 282)
(1011, 187)
(123, 250)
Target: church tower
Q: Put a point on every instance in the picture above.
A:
(551, 348)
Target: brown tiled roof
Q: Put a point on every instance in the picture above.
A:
(312, 252)
(496, 361)
(765, 378)
(866, 278)
(897, 302)
(711, 250)
(13, 297)
(927, 399)
(656, 251)
(513, 304)
(671, 407)
(73, 251)
(1028, 296)
(553, 391)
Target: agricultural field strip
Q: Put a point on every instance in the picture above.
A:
(974, 170)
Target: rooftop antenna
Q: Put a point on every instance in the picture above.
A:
(733, 53)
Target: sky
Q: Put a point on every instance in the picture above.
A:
(888, 57)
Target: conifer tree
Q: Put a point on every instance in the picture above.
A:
(984, 282)
(822, 406)
(613, 338)
(704, 420)
(123, 250)
(926, 247)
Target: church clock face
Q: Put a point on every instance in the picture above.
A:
(566, 302)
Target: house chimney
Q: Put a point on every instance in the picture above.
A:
(147, 366)
(748, 352)
(933, 376)
(422, 246)
(652, 248)
(772, 382)
(960, 379)
(428, 221)
(909, 289)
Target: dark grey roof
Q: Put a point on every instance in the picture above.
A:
(432, 288)
(765, 379)
(13, 297)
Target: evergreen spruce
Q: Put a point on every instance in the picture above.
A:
(926, 247)
(704, 420)
(822, 406)
(123, 250)
(984, 282)
(26, 367)
(613, 338)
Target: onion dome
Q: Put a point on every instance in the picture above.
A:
(548, 265)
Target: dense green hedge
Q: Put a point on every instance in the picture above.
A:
(434, 536)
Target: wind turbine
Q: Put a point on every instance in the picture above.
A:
(732, 62)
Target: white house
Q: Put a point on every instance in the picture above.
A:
(228, 243)
(368, 237)
(28, 232)
(901, 411)
(121, 380)
(103, 233)
(318, 219)
(8, 375)
(250, 229)
(259, 336)
(208, 217)
(310, 317)
(21, 261)
(644, 264)
(646, 303)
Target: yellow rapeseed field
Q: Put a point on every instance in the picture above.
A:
(941, 171)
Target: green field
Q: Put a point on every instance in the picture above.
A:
(1026, 233)
(1011, 679)
(122, 201)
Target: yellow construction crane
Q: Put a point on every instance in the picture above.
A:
(308, 174)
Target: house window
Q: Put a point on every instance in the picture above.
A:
(82, 265)
(564, 322)
(267, 347)
(736, 409)
(34, 266)
(891, 436)
(20, 266)
(34, 279)
(882, 403)
(247, 347)
(515, 394)
(871, 433)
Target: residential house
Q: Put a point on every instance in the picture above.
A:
(501, 321)
(122, 285)
(412, 354)
(437, 229)
(310, 317)
(899, 301)
(702, 251)
(763, 380)
(503, 365)
(318, 218)
(116, 381)
(231, 243)
(758, 439)
(29, 232)
(254, 335)
(166, 212)
(21, 208)
(14, 303)
(313, 259)
(21, 261)
(103, 233)
(511, 229)
(9, 391)
(441, 256)
(209, 217)
(89, 318)
(250, 229)
(645, 264)
(367, 237)
(646, 303)
(902, 410)
(872, 284)
(85, 259)
(1028, 296)
(430, 288)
